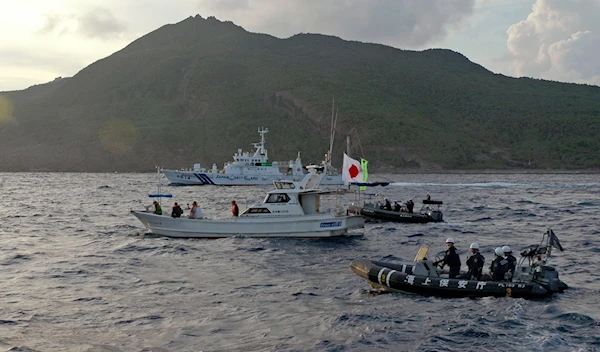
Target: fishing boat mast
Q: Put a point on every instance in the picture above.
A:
(331, 136)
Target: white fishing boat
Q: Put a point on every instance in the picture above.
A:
(248, 169)
(292, 209)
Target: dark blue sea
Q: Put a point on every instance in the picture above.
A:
(79, 273)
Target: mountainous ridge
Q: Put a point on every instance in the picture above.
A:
(197, 90)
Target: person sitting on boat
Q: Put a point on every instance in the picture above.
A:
(157, 208)
(475, 263)
(397, 206)
(195, 211)
(451, 259)
(388, 205)
(410, 205)
(499, 266)
(512, 261)
(177, 211)
(235, 211)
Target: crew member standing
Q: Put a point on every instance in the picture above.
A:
(512, 261)
(499, 265)
(410, 205)
(475, 263)
(235, 211)
(451, 259)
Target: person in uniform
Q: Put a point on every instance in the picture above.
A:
(512, 261)
(451, 259)
(387, 205)
(475, 263)
(410, 205)
(499, 266)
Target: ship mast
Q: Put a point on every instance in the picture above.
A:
(260, 147)
(331, 135)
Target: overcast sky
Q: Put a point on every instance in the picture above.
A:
(549, 39)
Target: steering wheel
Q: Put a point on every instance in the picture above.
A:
(439, 258)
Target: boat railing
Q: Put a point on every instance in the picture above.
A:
(426, 208)
(361, 198)
(336, 211)
(535, 257)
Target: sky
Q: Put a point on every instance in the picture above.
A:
(559, 40)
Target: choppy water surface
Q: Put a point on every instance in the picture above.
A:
(79, 273)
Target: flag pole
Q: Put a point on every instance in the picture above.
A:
(348, 145)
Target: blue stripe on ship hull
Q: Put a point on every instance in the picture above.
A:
(204, 179)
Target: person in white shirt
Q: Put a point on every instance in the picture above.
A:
(195, 211)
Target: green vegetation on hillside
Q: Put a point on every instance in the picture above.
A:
(197, 91)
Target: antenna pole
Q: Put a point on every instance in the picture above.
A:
(331, 133)
(348, 145)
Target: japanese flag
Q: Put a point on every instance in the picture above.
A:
(352, 171)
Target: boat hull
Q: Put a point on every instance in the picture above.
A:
(373, 213)
(321, 225)
(192, 178)
(399, 278)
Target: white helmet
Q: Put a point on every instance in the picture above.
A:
(450, 240)
(499, 252)
(474, 245)
(506, 249)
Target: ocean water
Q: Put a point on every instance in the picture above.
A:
(79, 273)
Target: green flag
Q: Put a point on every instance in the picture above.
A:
(363, 165)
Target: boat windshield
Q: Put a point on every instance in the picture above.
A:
(278, 198)
(284, 185)
(256, 211)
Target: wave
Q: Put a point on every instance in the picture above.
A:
(93, 262)
(497, 185)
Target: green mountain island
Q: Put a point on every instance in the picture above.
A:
(198, 90)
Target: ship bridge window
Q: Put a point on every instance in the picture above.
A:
(256, 211)
(278, 198)
(284, 185)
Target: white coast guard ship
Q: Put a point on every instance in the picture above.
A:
(248, 169)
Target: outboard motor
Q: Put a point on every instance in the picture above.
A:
(547, 276)
(436, 215)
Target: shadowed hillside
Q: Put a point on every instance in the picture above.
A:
(196, 91)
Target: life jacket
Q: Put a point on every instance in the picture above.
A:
(499, 268)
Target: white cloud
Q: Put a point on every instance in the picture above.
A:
(41, 40)
(96, 22)
(60, 37)
(559, 40)
(405, 24)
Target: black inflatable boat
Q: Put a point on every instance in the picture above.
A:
(430, 212)
(532, 277)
